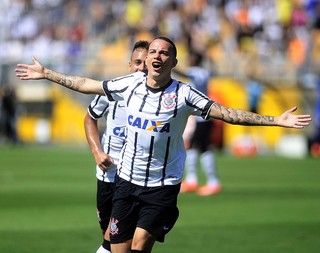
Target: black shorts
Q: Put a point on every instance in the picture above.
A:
(200, 138)
(151, 208)
(104, 203)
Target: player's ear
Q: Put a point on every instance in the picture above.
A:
(175, 62)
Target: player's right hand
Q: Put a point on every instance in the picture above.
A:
(30, 72)
(104, 161)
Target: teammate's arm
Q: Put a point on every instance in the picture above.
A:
(92, 134)
(38, 71)
(242, 117)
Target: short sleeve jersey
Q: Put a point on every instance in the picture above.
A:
(114, 135)
(154, 153)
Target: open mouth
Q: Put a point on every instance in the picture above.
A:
(156, 65)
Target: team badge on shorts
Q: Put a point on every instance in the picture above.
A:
(168, 101)
(113, 227)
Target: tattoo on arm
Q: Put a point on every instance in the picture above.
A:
(241, 117)
(71, 82)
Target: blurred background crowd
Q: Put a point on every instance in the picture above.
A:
(280, 34)
(273, 42)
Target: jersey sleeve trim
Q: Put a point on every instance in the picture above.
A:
(107, 91)
(206, 111)
(98, 107)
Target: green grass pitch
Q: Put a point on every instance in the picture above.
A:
(268, 204)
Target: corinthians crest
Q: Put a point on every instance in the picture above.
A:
(113, 226)
(168, 101)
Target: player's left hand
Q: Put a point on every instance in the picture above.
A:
(288, 119)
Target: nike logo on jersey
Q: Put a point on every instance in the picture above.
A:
(148, 125)
(139, 93)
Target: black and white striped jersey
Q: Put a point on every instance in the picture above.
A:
(114, 135)
(154, 153)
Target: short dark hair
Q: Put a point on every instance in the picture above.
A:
(141, 44)
(170, 42)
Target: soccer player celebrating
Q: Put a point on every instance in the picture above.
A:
(152, 159)
(107, 154)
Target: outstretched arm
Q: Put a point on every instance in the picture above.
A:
(92, 134)
(77, 83)
(242, 117)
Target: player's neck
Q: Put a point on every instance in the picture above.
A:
(158, 84)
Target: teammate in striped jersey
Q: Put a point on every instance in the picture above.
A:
(111, 143)
(152, 159)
